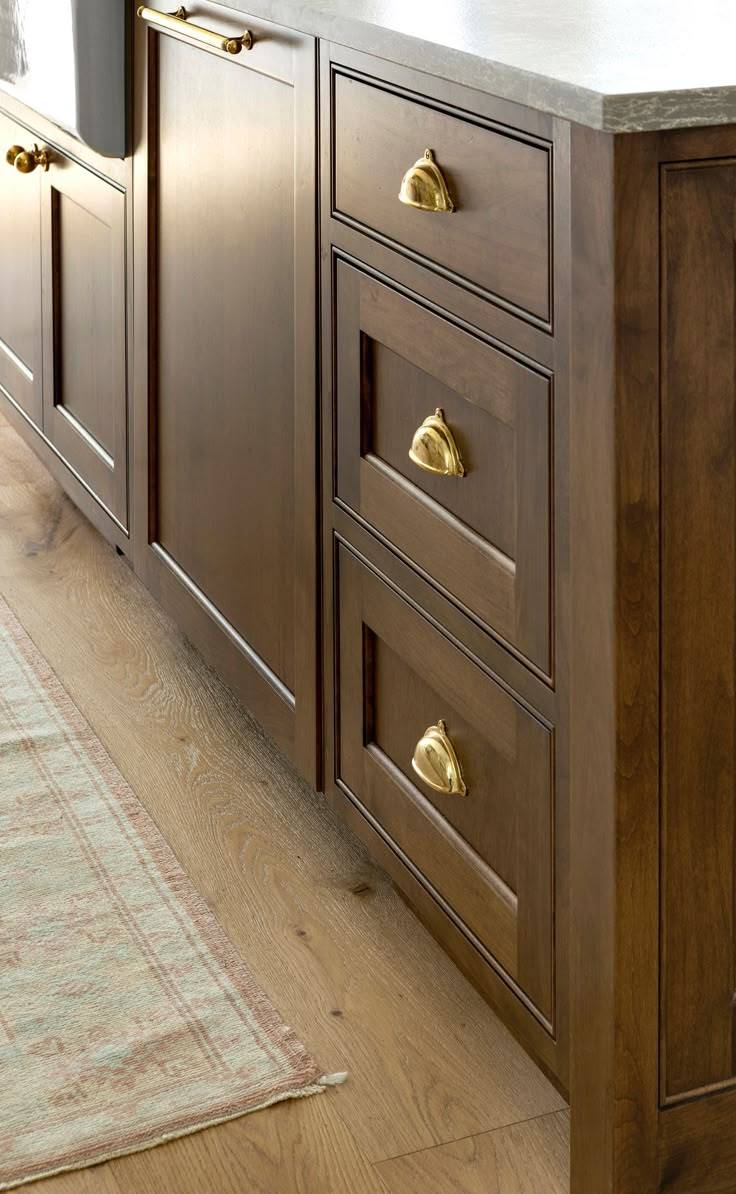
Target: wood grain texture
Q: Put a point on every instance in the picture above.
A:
(398, 675)
(614, 666)
(85, 399)
(396, 362)
(698, 1146)
(307, 1150)
(341, 956)
(419, 283)
(497, 239)
(699, 639)
(225, 376)
(530, 1158)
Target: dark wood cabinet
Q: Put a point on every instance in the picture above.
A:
(85, 412)
(21, 354)
(473, 564)
(698, 628)
(226, 311)
(498, 239)
(444, 483)
(485, 534)
(487, 849)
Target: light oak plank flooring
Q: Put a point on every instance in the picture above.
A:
(522, 1159)
(319, 923)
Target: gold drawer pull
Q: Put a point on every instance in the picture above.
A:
(26, 160)
(424, 186)
(178, 22)
(436, 763)
(434, 449)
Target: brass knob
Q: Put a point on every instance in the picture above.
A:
(434, 448)
(436, 762)
(26, 160)
(424, 186)
(13, 153)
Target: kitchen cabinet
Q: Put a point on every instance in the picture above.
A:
(445, 463)
(472, 563)
(21, 355)
(226, 369)
(63, 296)
(85, 413)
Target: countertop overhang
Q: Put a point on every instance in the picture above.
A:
(616, 65)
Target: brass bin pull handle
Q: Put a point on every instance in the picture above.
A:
(178, 22)
(25, 161)
(434, 449)
(436, 762)
(424, 186)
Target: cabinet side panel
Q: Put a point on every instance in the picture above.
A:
(699, 624)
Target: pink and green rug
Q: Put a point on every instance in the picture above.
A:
(126, 1017)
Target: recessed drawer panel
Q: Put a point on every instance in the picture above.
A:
(496, 238)
(416, 394)
(455, 770)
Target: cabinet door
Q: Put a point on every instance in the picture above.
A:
(85, 408)
(229, 472)
(20, 277)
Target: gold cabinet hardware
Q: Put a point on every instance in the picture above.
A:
(424, 186)
(26, 160)
(178, 22)
(436, 762)
(434, 448)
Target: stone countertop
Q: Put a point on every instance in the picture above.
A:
(618, 65)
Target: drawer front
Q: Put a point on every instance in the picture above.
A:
(487, 852)
(496, 240)
(483, 536)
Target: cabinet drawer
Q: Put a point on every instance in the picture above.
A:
(488, 852)
(485, 536)
(497, 238)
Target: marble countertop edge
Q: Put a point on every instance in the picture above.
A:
(557, 96)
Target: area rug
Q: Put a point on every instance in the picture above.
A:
(126, 1016)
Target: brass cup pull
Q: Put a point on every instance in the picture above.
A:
(434, 448)
(178, 22)
(424, 186)
(26, 160)
(436, 762)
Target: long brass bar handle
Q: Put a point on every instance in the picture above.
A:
(178, 22)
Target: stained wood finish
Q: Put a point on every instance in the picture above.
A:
(699, 634)
(697, 1146)
(21, 362)
(488, 853)
(84, 320)
(396, 363)
(318, 923)
(425, 298)
(615, 664)
(227, 470)
(498, 238)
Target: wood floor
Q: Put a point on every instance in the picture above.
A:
(440, 1099)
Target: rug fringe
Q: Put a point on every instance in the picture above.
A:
(333, 1079)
